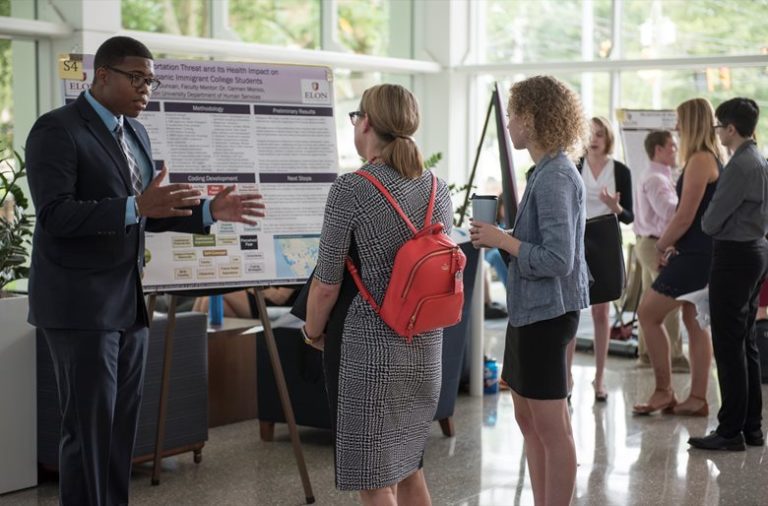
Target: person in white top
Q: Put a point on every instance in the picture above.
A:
(655, 205)
(609, 190)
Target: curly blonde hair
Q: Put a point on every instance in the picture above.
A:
(552, 114)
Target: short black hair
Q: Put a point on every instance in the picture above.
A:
(740, 112)
(656, 138)
(114, 50)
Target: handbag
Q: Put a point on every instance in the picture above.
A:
(605, 258)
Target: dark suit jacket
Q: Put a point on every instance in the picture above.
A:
(86, 264)
(623, 178)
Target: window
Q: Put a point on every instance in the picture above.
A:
(516, 31)
(288, 23)
(375, 27)
(176, 17)
(659, 29)
(666, 89)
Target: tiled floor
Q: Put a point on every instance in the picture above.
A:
(623, 460)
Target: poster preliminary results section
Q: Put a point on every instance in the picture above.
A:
(265, 129)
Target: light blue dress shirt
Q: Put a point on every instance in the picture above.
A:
(145, 164)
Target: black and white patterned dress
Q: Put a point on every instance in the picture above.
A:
(383, 390)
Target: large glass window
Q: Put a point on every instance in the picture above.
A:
(287, 23)
(6, 86)
(518, 31)
(664, 29)
(375, 27)
(176, 17)
(666, 89)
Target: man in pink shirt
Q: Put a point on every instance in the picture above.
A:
(655, 204)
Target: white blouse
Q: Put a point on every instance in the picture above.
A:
(606, 179)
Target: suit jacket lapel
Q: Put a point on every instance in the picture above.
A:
(97, 128)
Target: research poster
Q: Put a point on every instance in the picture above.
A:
(265, 128)
(635, 125)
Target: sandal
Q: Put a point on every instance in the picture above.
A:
(683, 411)
(600, 395)
(666, 407)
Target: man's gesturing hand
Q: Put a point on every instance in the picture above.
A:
(237, 208)
(166, 201)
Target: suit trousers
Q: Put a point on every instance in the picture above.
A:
(646, 255)
(738, 269)
(100, 377)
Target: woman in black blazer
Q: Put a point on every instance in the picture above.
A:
(608, 186)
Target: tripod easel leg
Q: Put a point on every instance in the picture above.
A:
(285, 400)
(164, 382)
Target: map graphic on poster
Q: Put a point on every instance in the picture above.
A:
(296, 255)
(265, 128)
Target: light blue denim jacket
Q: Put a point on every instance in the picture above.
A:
(549, 276)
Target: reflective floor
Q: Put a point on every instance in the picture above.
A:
(623, 460)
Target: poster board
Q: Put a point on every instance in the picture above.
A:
(508, 178)
(264, 127)
(634, 126)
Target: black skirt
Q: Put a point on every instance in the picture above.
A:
(685, 273)
(535, 357)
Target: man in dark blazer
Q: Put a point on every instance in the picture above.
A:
(92, 180)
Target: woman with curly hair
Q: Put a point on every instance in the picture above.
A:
(685, 252)
(548, 281)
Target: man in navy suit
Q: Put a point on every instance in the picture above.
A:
(92, 180)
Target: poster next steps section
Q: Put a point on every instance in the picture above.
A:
(264, 128)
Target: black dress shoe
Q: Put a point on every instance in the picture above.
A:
(715, 441)
(754, 438)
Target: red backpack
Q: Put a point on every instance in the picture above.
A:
(426, 288)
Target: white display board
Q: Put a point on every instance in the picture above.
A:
(266, 128)
(635, 125)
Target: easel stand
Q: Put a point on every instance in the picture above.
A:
(279, 380)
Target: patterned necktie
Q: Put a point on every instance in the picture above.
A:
(133, 165)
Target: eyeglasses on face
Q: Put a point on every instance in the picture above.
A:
(355, 116)
(137, 80)
(718, 125)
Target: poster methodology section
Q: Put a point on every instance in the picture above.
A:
(264, 128)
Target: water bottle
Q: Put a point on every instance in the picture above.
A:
(216, 309)
(490, 376)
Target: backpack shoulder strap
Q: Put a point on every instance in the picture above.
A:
(431, 206)
(370, 177)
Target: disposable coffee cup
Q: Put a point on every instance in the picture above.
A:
(484, 208)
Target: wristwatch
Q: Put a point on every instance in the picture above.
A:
(307, 339)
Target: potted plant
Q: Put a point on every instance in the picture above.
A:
(18, 468)
(15, 222)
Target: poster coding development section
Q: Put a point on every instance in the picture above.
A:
(634, 126)
(264, 128)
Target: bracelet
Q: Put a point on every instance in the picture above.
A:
(305, 336)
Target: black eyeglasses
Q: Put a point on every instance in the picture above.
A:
(355, 115)
(137, 80)
(718, 125)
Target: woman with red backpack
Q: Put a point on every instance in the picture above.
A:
(383, 384)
